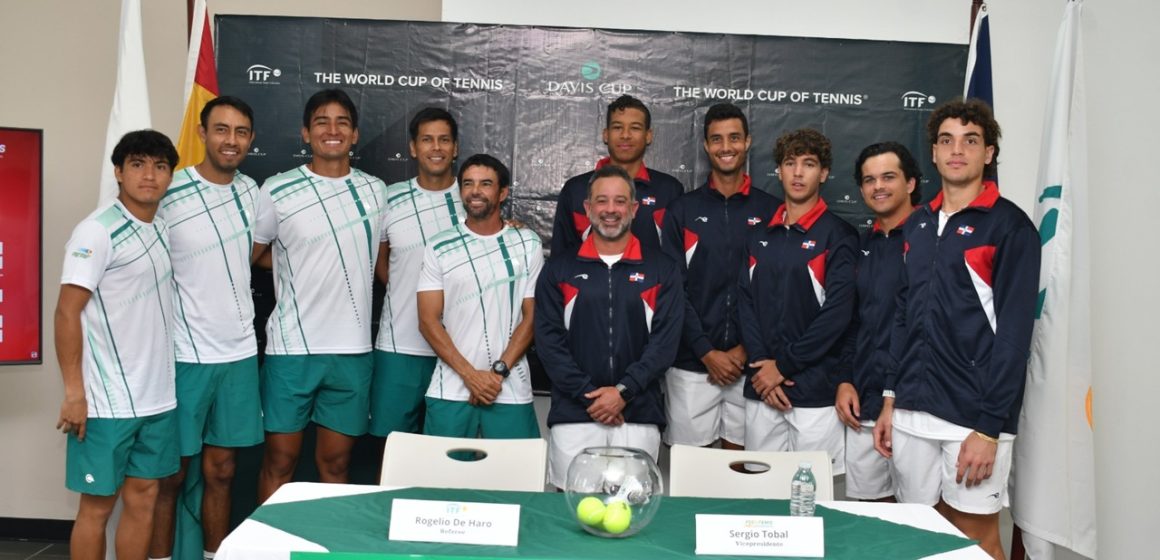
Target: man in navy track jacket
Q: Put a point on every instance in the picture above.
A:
(797, 299)
(705, 233)
(962, 334)
(888, 176)
(607, 324)
(628, 134)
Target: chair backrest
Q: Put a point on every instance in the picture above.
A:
(509, 464)
(708, 473)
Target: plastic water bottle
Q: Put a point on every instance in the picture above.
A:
(802, 491)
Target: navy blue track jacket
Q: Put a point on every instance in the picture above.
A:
(966, 308)
(705, 233)
(797, 300)
(877, 270)
(598, 326)
(654, 190)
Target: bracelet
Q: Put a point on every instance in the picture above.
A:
(986, 437)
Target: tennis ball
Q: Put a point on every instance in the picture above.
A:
(617, 517)
(590, 511)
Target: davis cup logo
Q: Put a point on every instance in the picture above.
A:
(590, 70)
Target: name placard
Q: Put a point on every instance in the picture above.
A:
(454, 522)
(760, 535)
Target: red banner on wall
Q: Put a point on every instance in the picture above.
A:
(20, 244)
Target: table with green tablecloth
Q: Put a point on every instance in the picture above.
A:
(354, 520)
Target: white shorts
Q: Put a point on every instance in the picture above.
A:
(867, 471)
(566, 441)
(700, 412)
(926, 450)
(800, 429)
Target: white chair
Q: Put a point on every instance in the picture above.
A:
(708, 473)
(506, 464)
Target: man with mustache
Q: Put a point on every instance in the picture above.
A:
(608, 320)
(475, 300)
(214, 215)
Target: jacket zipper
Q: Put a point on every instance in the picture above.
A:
(611, 306)
(728, 292)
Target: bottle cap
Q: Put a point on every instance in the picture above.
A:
(805, 465)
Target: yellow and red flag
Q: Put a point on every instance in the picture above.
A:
(201, 85)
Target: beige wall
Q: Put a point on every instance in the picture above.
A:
(57, 64)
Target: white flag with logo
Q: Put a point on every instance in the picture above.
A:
(130, 98)
(1053, 486)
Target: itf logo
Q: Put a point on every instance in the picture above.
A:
(262, 74)
(917, 100)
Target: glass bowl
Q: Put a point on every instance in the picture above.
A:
(613, 492)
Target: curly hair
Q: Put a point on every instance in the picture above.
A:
(970, 111)
(801, 142)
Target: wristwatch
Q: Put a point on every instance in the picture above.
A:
(625, 392)
(501, 368)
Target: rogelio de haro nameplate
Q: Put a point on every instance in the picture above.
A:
(454, 522)
(760, 535)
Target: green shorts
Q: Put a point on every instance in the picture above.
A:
(218, 404)
(496, 421)
(115, 448)
(397, 392)
(333, 390)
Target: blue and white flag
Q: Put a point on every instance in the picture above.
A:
(977, 83)
(1053, 482)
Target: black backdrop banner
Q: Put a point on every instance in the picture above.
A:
(535, 97)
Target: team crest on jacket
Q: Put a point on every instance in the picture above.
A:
(965, 231)
(754, 220)
(636, 277)
(809, 244)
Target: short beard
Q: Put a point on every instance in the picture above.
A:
(615, 234)
(481, 214)
(224, 169)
